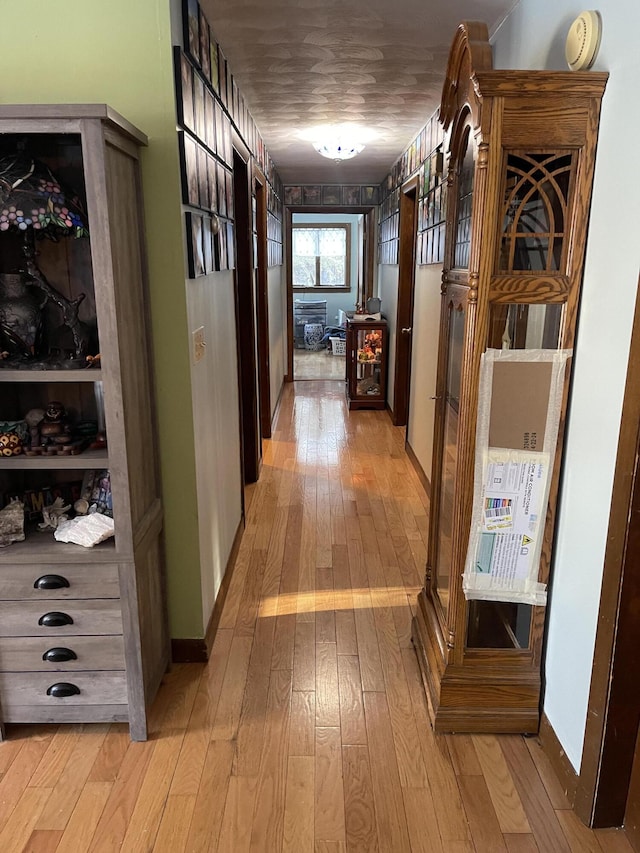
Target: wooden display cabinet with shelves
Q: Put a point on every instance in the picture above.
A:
(366, 364)
(520, 151)
(83, 634)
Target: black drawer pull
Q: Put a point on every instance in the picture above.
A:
(55, 619)
(62, 689)
(59, 655)
(51, 582)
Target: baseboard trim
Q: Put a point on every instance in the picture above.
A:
(426, 485)
(198, 649)
(558, 760)
(276, 408)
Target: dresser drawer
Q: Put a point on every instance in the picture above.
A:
(85, 688)
(42, 582)
(31, 654)
(59, 618)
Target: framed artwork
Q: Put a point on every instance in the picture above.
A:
(369, 195)
(331, 195)
(213, 62)
(184, 89)
(191, 26)
(228, 146)
(222, 246)
(292, 195)
(214, 230)
(207, 243)
(203, 181)
(205, 55)
(195, 245)
(231, 247)
(222, 73)
(198, 105)
(189, 169)
(222, 189)
(351, 195)
(209, 120)
(212, 178)
(229, 189)
(219, 147)
(312, 195)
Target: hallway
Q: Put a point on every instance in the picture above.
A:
(307, 730)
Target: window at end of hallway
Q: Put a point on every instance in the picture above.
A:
(321, 257)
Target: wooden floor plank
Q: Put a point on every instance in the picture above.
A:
(21, 823)
(85, 817)
(387, 793)
(329, 790)
(235, 833)
(483, 821)
(327, 695)
(298, 833)
(208, 809)
(538, 809)
(504, 796)
(360, 819)
(268, 818)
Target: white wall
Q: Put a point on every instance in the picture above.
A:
(424, 362)
(214, 382)
(388, 293)
(533, 37)
(277, 307)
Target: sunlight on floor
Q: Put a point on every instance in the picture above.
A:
(318, 600)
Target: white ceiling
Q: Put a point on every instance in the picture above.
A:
(376, 64)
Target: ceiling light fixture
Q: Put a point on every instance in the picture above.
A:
(337, 149)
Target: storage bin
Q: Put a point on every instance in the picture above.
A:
(338, 346)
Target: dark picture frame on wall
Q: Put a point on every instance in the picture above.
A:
(312, 194)
(351, 195)
(195, 244)
(198, 106)
(205, 53)
(213, 62)
(293, 195)
(189, 169)
(207, 241)
(222, 74)
(184, 89)
(231, 247)
(191, 28)
(203, 181)
(330, 195)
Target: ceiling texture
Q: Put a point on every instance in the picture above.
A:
(375, 65)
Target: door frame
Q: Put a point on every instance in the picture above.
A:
(369, 213)
(244, 286)
(404, 310)
(613, 712)
(262, 301)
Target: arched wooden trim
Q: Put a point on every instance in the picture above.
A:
(470, 52)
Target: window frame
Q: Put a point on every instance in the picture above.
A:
(324, 288)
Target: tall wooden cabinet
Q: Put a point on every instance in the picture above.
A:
(83, 631)
(520, 147)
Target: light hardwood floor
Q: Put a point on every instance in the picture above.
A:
(318, 365)
(307, 732)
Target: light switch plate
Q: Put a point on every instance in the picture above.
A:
(199, 344)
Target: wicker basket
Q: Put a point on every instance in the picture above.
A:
(338, 346)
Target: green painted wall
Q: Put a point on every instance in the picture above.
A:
(119, 53)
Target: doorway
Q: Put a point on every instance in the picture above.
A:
(327, 271)
(326, 307)
(608, 787)
(406, 285)
(250, 436)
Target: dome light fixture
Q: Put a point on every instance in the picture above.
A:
(338, 149)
